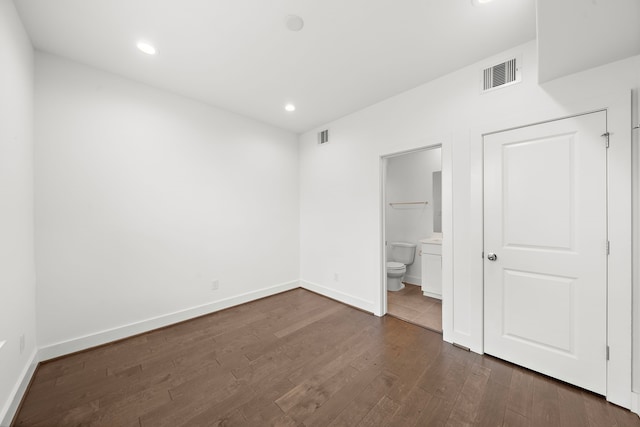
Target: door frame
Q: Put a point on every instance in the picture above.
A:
(447, 270)
(619, 224)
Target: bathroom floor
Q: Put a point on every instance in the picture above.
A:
(409, 304)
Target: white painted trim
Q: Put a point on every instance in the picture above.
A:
(334, 294)
(109, 335)
(477, 229)
(381, 305)
(447, 238)
(635, 403)
(635, 168)
(619, 297)
(12, 404)
(432, 295)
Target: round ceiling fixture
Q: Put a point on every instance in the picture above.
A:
(480, 2)
(294, 22)
(146, 48)
(290, 107)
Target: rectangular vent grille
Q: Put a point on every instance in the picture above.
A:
(323, 136)
(500, 75)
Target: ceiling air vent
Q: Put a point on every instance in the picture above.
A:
(501, 75)
(323, 136)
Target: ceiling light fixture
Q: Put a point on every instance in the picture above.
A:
(290, 107)
(294, 22)
(480, 2)
(146, 48)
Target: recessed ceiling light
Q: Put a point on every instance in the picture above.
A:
(294, 22)
(290, 107)
(146, 48)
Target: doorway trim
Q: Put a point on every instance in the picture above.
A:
(619, 223)
(447, 208)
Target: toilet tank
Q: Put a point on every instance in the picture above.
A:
(402, 252)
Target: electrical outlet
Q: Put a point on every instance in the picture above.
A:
(22, 343)
(215, 285)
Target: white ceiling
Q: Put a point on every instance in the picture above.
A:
(238, 54)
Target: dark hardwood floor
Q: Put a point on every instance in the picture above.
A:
(299, 359)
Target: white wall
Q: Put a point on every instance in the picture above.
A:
(601, 32)
(409, 177)
(340, 210)
(143, 198)
(17, 271)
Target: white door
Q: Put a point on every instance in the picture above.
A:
(545, 248)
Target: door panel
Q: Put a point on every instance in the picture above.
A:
(545, 219)
(524, 293)
(550, 161)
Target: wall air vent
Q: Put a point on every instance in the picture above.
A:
(501, 75)
(323, 136)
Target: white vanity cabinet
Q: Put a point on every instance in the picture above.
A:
(431, 268)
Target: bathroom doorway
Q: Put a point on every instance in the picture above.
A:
(412, 233)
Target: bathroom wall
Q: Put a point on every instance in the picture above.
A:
(17, 270)
(409, 178)
(144, 199)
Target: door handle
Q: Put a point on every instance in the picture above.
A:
(492, 257)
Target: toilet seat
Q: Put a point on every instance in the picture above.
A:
(392, 265)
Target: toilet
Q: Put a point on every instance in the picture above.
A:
(400, 255)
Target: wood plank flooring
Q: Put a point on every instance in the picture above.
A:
(299, 359)
(410, 304)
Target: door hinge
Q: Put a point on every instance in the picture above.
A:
(608, 247)
(606, 139)
(482, 255)
(607, 352)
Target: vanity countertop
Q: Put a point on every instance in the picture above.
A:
(435, 239)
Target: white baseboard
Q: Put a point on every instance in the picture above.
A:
(414, 280)
(109, 335)
(11, 406)
(635, 403)
(339, 296)
(432, 295)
